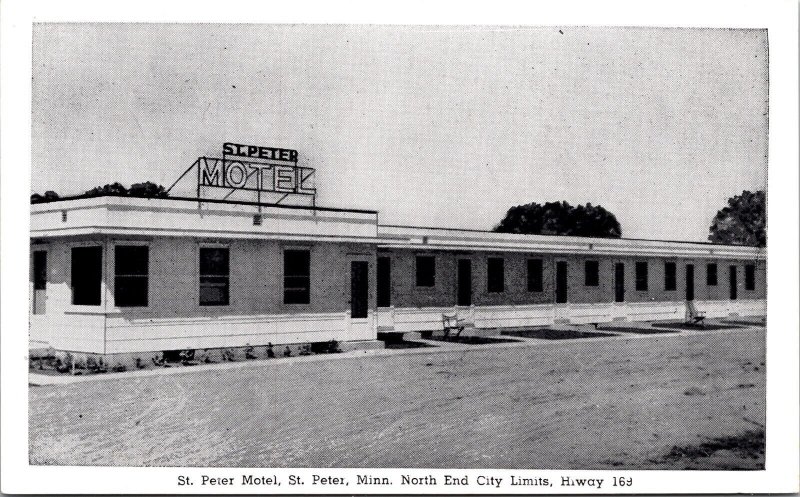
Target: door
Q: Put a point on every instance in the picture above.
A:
(464, 283)
(690, 282)
(561, 282)
(384, 282)
(359, 289)
(619, 282)
(39, 281)
(733, 283)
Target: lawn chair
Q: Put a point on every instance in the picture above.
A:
(693, 316)
(451, 323)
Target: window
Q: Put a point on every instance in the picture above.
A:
(670, 270)
(496, 275)
(214, 276)
(39, 270)
(130, 275)
(384, 282)
(749, 277)
(711, 274)
(641, 276)
(733, 286)
(39, 281)
(87, 272)
(535, 275)
(591, 273)
(296, 276)
(426, 270)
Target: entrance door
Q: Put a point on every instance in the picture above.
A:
(359, 289)
(733, 283)
(561, 282)
(464, 283)
(690, 282)
(619, 282)
(39, 281)
(384, 282)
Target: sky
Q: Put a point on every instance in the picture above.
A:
(433, 126)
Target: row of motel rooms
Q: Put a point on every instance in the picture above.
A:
(131, 277)
(163, 274)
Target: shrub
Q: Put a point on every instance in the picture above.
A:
(186, 356)
(329, 347)
(305, 349)
(118, 368)
(139, 363)
(287, 352)
(270, 352)
(63, 365)
(228, 355)
(249, 352)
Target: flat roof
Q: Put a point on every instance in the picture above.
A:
(345, 224)
(211, 201)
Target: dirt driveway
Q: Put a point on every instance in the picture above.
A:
(579, 404)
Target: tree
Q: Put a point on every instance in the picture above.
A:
(48, 196)
(560, 218)
(147, 189)
(112, 189)
(742, 222)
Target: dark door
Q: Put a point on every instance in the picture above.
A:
(464, 283)
(39, 281)
(733, 283)
(561, 282)
(690, 282)
(359, 289)
(384, 282)
(619, 282)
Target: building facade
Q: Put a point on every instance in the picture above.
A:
(121, 275)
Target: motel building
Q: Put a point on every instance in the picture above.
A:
(126, 277)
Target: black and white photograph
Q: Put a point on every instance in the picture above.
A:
(488, 258)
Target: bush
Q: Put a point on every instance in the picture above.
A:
(329, 347)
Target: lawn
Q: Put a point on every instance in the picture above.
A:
(642, 402)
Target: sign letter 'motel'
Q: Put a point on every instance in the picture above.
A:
(255, 168)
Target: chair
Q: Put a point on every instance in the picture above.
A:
(451, 323)
(693, 316)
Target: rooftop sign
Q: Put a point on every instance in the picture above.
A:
(255, 168)
(253, 151)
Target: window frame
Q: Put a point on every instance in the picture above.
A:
(638, 279)
(212, 245)
(284, 251)
(490, 280)
(417, 257)
(595, 281)
(113, 292)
